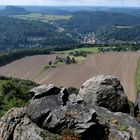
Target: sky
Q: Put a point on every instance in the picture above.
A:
(131, 3)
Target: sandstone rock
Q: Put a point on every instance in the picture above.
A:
(9, 121)
(105, 91)
(15, 125)
(107, 126)
(52, 113)
(50, 99)
(41, 91)
(27, 130)
(121, 126)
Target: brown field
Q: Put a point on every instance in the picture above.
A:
(122, 65)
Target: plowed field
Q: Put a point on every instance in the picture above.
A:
(121, 65)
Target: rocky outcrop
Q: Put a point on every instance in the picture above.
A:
(48, 110)
(15, 125)
(53, 114)
(105, 91)
(9, 122)
(121, 126)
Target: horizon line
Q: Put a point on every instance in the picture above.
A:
(75, 6)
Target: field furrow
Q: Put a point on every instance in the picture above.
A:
(121, 65)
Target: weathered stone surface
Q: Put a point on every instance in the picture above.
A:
(44, 90)
(49, 100)
(105, 91)
(27, 130)
(52, 113)
(9, 121)
(15, 125)
(121, 126)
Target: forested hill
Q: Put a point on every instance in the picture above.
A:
(118, 33)
(40, 30)
(16, 33)
(87, 21)
(13, 10)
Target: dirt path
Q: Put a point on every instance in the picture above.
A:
(121, 65)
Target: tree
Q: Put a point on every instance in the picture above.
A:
(67, 60)
(50, 63)
(73, 60)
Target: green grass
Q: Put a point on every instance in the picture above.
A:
(137, 76)
(41, 17)
(60, 63)
(49, 66)
(90, 49)
(79, 59)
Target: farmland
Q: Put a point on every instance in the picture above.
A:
(88, 49)
(122, 65)
(41, 17)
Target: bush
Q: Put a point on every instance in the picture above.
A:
(14, 93)
(72, 90)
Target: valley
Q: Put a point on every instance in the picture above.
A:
(69, 72)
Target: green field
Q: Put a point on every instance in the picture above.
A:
(41, 17)
(137, 76)
(79, 59)
(90, 49)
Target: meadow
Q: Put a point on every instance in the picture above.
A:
(41, 17)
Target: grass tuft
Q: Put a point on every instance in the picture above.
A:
(137, 76)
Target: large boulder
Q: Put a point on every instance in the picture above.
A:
(105, 91)
(50, 109)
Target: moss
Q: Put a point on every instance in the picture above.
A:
(49, 136)
(122, 128)
(131, 104)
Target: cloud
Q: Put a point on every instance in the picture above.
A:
(72, 2)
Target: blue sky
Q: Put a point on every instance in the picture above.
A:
(135, 3)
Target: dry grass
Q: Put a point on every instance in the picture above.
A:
(69, 135)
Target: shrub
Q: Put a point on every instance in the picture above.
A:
(14, 93)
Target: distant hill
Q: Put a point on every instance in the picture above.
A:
(49, 10)
(87, 21)
(118, 33)
(16, 33)
(55, 11)
(127, 10)
(13, 10)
